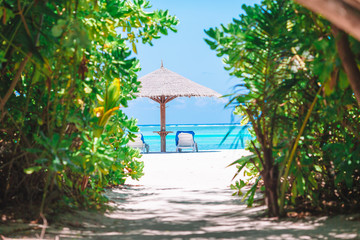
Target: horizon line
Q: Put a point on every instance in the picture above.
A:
(191, 124)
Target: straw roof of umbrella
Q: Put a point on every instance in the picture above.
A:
(164, 82)
(163, 86)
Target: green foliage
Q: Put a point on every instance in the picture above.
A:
(67, 70)
(248, 167)
(285, 58)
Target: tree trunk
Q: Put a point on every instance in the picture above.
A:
(270, 176)
(348, 61)
(84, 182)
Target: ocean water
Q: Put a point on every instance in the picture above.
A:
(207, 136)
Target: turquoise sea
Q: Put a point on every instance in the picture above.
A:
(207, 136)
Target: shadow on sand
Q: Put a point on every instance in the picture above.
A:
(172, 213)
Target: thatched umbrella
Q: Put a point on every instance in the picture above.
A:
(163, 85)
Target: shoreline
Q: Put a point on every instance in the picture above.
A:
(200, 151)
(190, 124)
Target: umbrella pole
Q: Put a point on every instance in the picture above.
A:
(163, 126)
(163, 100)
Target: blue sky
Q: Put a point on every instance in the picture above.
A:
(187, 54)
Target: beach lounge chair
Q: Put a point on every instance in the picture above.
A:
(139, 143)
(185, 139)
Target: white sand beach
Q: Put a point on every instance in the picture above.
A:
(187, 196)
(195, 170)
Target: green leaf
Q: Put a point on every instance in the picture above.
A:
(30, 170)
(251, 193)
(245, 159)
(134, 47)
(57, 31)
(318, 168)
(300, 184)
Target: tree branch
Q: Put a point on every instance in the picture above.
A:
(258, 153)
(14, 82)
(348, 60)
(341, 13)
(23, 18)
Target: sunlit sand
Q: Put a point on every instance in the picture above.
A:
(198, 170)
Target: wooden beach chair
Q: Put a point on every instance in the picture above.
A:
(184, 140)
(139, 143)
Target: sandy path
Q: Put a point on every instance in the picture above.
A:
(186, 196)
(199, 170)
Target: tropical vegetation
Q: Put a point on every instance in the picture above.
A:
(66, 70)
(294, 91)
